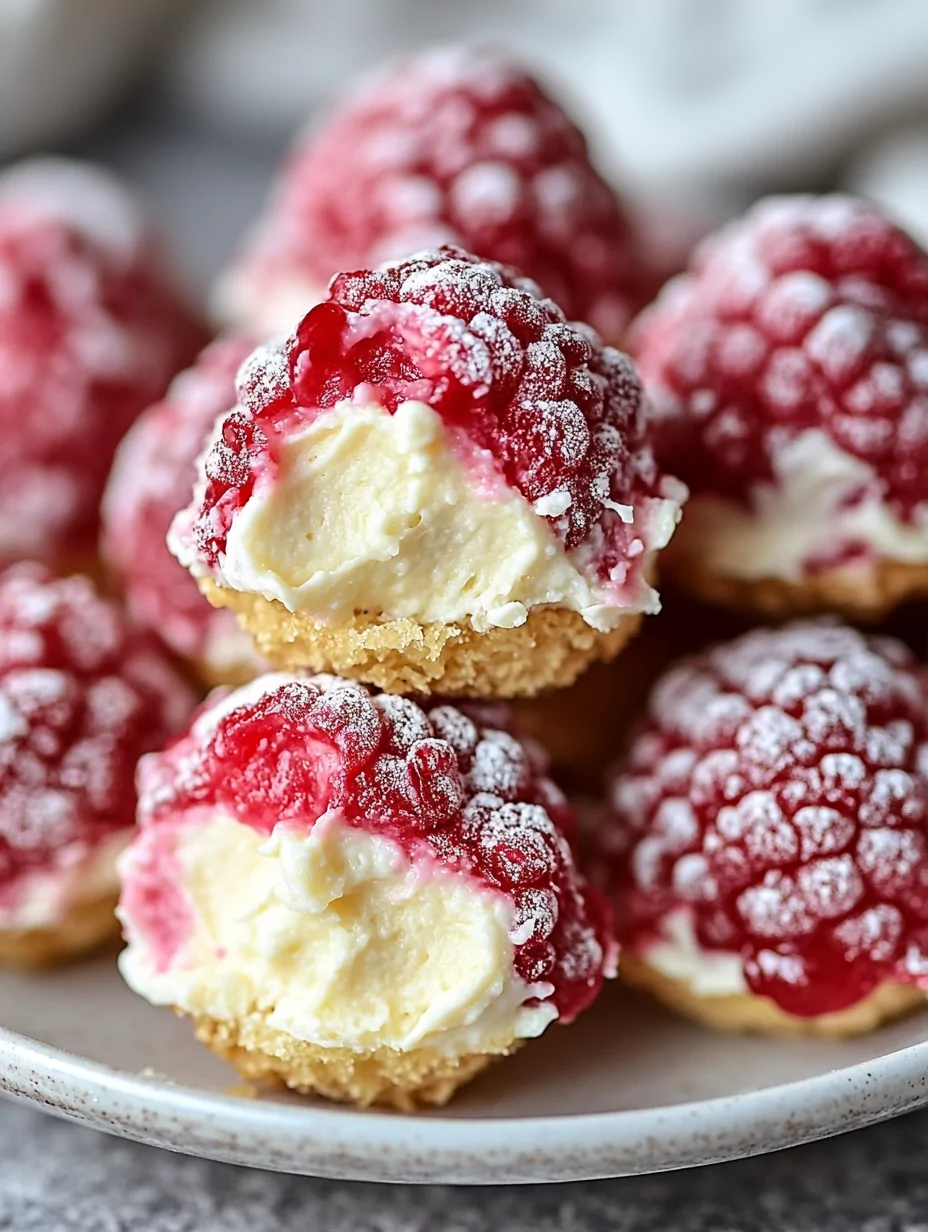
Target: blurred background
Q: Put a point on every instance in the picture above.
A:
(692, 106)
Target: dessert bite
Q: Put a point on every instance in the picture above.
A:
(450, 146)
(437, 484)
(152, 477)
(356, 894)
(788, 372)
(82, 696)
(766, 851)
(91, 330)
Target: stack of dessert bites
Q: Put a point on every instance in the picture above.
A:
(440, 487)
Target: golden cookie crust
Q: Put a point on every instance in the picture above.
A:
(745, 1012)
(550, 650)
(403, 1080)
(88, 926)
(860, 594)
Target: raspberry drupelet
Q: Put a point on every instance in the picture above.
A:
(767, 846)
(451, 146)
(91, 330)
(361, 895)
(788, 372)
(437, 484)
(82, 696)
(152, 477)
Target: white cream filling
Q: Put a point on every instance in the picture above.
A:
(805, 516)
(339, 939)
(368, 508)
(680, 957)
(43, 899)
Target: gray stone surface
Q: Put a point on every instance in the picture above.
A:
(55, 1177)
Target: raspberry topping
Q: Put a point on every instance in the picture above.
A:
(810, 312)
(454, 146)
(433, 777)
(90, 332)
(82, 696)
(153, 477)
(777, 792)
(558, 415)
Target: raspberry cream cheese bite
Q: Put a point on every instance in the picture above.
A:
(153, 476)
(82, 696)
(357, 895)
(788, 371)
(91, 331)
(451, 146)
(437, 484)
(767, 848)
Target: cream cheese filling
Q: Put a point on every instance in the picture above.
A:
(680, 957)
(823, 498)
(370, 510)
(338, 938)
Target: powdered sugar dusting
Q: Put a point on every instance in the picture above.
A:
(85, 198)
(793, 826)
(809, 313)
(451, 146)
(561, 418)
(153, 476)
(433, 778)
(80, 700)
(91, 330)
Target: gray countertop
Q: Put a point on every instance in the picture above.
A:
(55, 1177)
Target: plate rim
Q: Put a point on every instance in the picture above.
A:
(374, 1145)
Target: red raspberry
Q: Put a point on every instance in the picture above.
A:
(91, 330)
(452, 146)
(552, 409)
(82, 696)
(810, 312)
(153, 477)
(778, 791)
(432, 777)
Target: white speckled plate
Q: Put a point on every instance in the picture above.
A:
(627, 1089)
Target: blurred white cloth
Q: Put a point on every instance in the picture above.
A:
(679, 95)
(62, 60)
(894, 173)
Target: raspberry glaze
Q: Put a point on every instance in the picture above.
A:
(437, 779)
(82, 696)
(153, 477)
(91, 330)
(454, 146)
(536, 400)
(810, 312)
(778, 792)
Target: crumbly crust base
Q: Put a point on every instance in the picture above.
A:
(867, 595)
(87, 926)
(745, 1012)
(550, 650)
(403, 1080)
